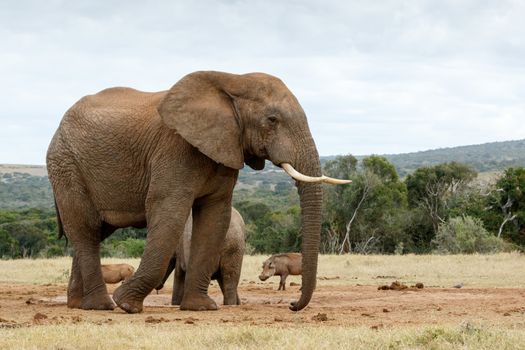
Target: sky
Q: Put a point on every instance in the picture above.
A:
(374, 77)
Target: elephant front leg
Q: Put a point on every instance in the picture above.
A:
(210, 223)
(164, 230)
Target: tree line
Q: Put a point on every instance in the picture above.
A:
(443, 208)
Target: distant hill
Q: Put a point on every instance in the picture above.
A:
(28, 186)
(493, 156)
(23, 190)
(36, 170)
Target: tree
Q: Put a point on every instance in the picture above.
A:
(31, 240)
(252, 211)
(364, 216)
(508, 202)
(275, 232)
(433, 188)
(8, 245)
(381, 167)
(342, 167)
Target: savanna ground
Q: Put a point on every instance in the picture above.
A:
(347, 310)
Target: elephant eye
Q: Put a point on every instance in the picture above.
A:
(272, 119)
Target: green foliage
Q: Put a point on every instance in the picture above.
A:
(367, 215)
(466, 235)
(508, 201)
(342, 167)
(275, 232)
(271, 214)
(252, 211)
(443, 179)
(128, 248)
(128, 232)
(28, 233)
(381, 167)
(431, 190)
(270, 231)
(8, 245)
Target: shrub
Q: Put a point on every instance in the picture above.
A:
(466, 235)
(128, 248)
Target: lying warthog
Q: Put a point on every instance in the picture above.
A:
(282, 265)
(114, 273)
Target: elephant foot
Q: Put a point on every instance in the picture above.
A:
(98, 302)
(176, 301)
(74, 302)
(232, 300)
(125, 302)
(198, 303)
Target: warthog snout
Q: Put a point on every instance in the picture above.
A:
(263, 277)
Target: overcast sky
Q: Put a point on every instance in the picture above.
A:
(373, 76)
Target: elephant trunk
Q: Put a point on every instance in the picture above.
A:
(311, 196)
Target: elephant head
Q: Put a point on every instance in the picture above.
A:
(236, 119)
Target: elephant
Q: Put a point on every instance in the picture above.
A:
(228, 270)
(123, 157)
(114, 273)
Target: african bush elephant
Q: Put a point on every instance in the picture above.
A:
(228, 270)
(123, 158)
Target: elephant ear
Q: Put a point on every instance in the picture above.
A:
(200, 108)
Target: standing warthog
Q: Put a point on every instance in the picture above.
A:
(114, 273)
(282, 265)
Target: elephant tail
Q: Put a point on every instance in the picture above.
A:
(60, 227)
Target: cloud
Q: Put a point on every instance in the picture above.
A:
(373, 77)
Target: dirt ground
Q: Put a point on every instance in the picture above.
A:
(262, 304)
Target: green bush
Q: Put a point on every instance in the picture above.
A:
(8, 245)
(128, 248)
(466, 235)
(54, 250)
(275, 232)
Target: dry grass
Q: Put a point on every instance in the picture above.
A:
(498, 270)
(165, 336)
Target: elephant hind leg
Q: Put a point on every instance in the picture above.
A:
(82, 226)
(178, 284)
(229, 276)
(75, 288)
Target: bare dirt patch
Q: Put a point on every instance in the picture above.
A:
(263, 305)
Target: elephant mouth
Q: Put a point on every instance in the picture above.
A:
(263, 278)
(289, 169)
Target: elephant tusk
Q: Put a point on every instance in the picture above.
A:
(305, 178)
(298, 176)
(332, 181)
